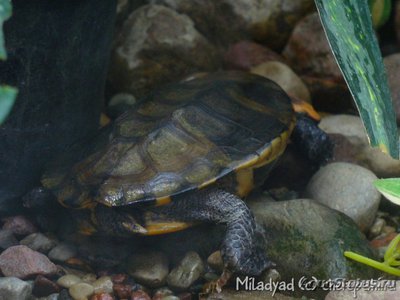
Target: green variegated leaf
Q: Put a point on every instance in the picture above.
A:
(390, 188)
(5, 13)
(348, 26)
(7, 98)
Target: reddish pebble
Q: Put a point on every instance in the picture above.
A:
(102, 296)
(140, 295)
(19, 225)
(123, 291)
(185, 296)
(44, 287)
(377, 243)
(119, 278)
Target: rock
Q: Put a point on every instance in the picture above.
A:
(357, 143)
(188, 271)
(308, 51)
(43, 287)
(64, 295)
(347, 188)
(148, 53)
(103, 285)
(119, 278)
(376, 228)
(22, 262)
(119, 103)
(215, 261)
(12, 288)
(89, 278)
(228, 294)
(62, 252)
(329, 94)
(123, 291)
(389, 292)
(171, 298)
(140, 295)
(80, 291)
(285, 77)
(39, 242)
(19, 225)
(102, 296)
(149, 269)
(161, 293)
(305, 238)
(7, 239)
(392, 65)
(54, 296)
(268, 21)
(245, 55)
(68, 280)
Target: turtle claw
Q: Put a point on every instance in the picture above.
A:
(133, 227)
(216, 286)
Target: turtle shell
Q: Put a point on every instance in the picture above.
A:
(180, 138)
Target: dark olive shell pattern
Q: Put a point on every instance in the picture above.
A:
(180, 138)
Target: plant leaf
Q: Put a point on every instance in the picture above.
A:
(7, 98)
(380, 11)
(5, 13)
(390, 188)
(348, 26)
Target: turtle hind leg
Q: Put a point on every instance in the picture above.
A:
(114, 222)
(241, 250)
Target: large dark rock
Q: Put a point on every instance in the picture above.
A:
(57, 57)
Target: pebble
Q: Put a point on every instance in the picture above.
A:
(19, 225)
(119, 103)
(103, 285)
(361, 153)
(348, 188)
(285, 77)
(62, 252)
(39, 242)
(245, 55)
(215, 261)
(43, 287)
(119, 278)
(64, 295)
(7, 239)
(102, 296)
(188, 271)
(12, 288)
(376, 228)
(170, 298)
(308, 50)
(22, 262)
(149, 269)
(89, 278)
(123, 291)
(140, 295)
(68, 280)
(81, 291)
(161, 293)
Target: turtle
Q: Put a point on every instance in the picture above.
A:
(189, 152)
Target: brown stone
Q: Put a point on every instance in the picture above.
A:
(44, 287)
(140, 295)
(22, 262)
(123, 291)
(19, 225)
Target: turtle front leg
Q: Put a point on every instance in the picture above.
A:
(241, 251)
